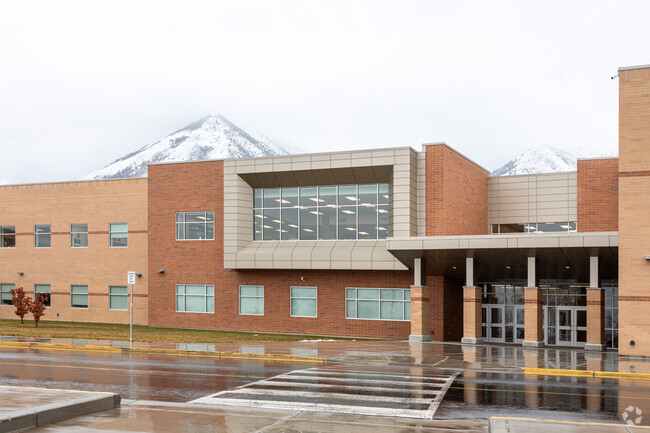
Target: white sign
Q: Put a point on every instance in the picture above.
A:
(130, 277)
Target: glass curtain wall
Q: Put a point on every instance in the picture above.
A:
(321, 212)
(611, 313)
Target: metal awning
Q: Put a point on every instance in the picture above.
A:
(561, 256)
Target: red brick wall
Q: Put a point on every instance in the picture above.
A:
(198, 186)
(456, 194)
(598, 195)
(446, 309)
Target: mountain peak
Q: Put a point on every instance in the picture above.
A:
(540, 159)
(211, 137)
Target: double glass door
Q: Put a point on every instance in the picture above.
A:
(565, 326)
(503, 323)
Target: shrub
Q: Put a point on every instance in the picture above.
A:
(21, 301)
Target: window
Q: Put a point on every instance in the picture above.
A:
(43, 290)
(79, 235)
(303, 302)
(194, 225)
(569, 227)
(119, 234)
(7, 236)
(79, 296)
(118, 298)
(42, 236)
(378, 304)
(194, 298)
(251, 300)
(5, 293)
(321, 212)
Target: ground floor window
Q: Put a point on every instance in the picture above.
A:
(304, 302)
(378, 304)
(79, 296)
(118, 297)
(251, 300)
(42, 290)
(5, 293)
(194, 298)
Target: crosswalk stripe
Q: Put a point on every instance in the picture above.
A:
(280, 394)
(312, 372)
(377, 388)
(342, 391)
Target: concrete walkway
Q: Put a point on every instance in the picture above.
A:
(22, 408)
(529, 425)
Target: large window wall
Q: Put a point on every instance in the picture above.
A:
(335, 212)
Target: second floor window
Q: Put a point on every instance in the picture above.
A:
(42, 236)
(119, 234)
(321, 212)
(7, 236)
(194, 225)
(79, 235)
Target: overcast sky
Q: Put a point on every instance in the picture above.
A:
(83, 83)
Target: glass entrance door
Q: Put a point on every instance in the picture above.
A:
(571, 325)
(495, 320)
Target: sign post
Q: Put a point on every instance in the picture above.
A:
(130, 277)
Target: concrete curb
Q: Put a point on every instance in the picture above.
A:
(53, 412)
(502, 424)
(586, 373)
(218, 355)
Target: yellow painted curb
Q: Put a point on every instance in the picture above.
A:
(220, 355)
(586, 373)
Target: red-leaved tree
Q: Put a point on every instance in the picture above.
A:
(37, 308)
(21, 301)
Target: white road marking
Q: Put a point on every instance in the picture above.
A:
(360, 398)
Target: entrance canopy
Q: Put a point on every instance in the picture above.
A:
(562, 256)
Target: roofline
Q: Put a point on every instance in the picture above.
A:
(598, 157)
(535, 174)
(378, 149)
(442, 143)
(73, 181)
(628, 68)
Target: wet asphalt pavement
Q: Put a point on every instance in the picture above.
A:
(132, 376)
(472, 394)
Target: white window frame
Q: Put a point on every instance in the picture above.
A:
(205, 295)
(87, 296)
(379, 301)
(250, 297)
(3, 234)
(72, 245)
(2, 286)
(205, 225)
(118, 295)
(37, 235)
(111, 232)
(291, 298)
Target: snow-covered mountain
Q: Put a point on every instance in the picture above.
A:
(213, 137)
(544, 159)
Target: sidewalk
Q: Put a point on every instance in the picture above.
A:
(22, 408)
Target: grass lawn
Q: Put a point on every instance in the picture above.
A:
(106, 331)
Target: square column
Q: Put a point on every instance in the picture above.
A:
(595, 310)
(472, 315)
(472, 307)
(534, 309)
(420, 324)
